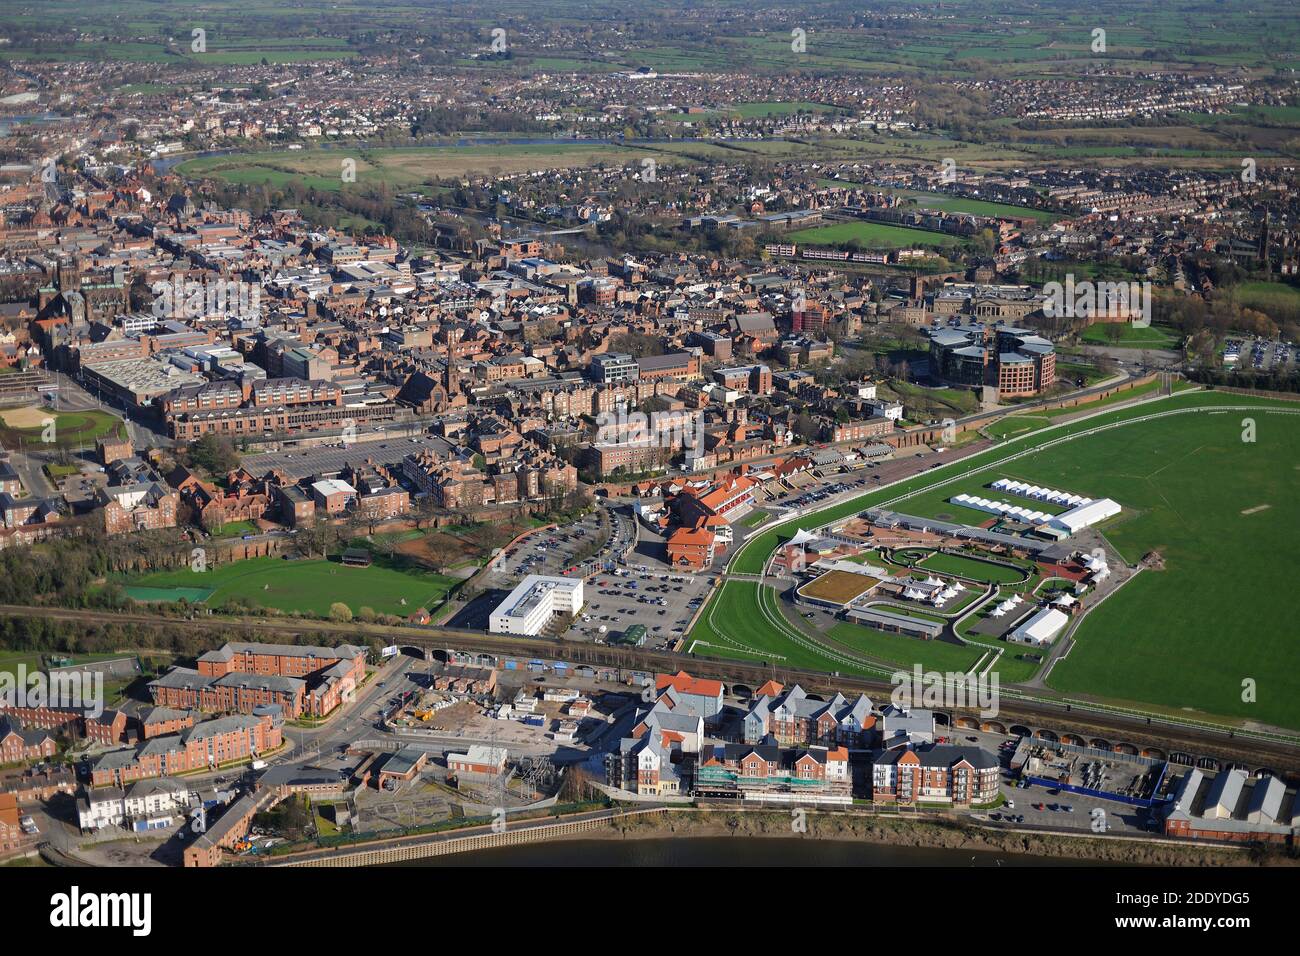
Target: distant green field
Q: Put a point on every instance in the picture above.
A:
(872, 235)
(944, 202)
(308, 586)
(764, 110)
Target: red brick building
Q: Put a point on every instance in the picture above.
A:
(691, 548)
(935, 773)
(208, 745)
(18, 745)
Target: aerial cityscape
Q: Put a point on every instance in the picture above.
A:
(562, 434)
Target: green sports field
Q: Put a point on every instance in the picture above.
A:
(753, 554)
(745, 621)
(72, 430)
(1130, 336)
(308, 586)
(872, 235)
(971, 568)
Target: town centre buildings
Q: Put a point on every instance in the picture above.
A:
(534, 602)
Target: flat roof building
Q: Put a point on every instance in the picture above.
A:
(1086, 515)
(534, 602)
(1041, 629)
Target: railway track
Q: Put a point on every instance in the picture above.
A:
(1223, 744)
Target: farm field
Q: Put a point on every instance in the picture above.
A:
(306, 586)
(399, 168)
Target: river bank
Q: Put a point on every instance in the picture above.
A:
(930, 834)
(731, 852)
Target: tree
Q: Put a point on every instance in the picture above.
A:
(424, 510)
(576, 785)
(341, 612)
(214, 454)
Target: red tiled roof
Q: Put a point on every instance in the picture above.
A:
(686, 684)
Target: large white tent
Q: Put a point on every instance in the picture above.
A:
(1041, 629)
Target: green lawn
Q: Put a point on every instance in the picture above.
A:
(1183, 482)
(905, 651)
(1188, 636)
(309, 586)
(872, 235)
(1016, 425)
(764, 110)
(972, 568)
(235, 529)
(1130, 336)
(10, 661)
(745, 621)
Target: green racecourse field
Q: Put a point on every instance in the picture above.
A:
(768, 636)
(1221, 512)
(307, 586)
